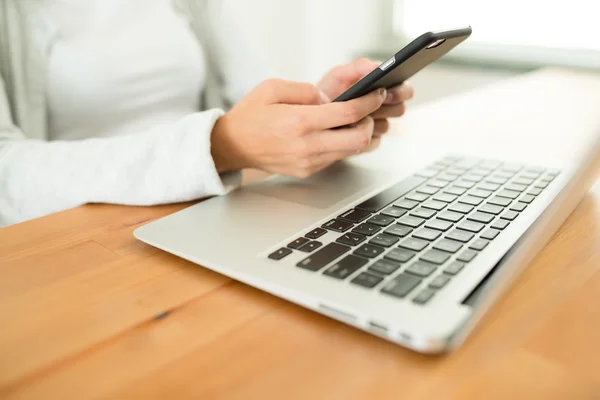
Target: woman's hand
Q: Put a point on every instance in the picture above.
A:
(284, 127)
(339, 79)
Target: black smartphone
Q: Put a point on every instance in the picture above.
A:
(418, 54)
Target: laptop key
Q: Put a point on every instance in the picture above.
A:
(518, 206)
(380, 220)
(316, 233)
(474, 201)
(461, 236)
(355, 215)
(422, 213)
(296, 244)
(484, 194)
(417, 196)
(447, 177)
(471, 226)
(527, 198)
(439, 282)
(450, 216)
(367, 280)
(521, 180)
(439, 225)
(511, 167)
(384, 240)
(384, 198)
(384, 267)
(492, 187)
(510, 215)
(402, 285)
(345, 267)
(400, 255)
(464, 184)
(480, 171)
(534, 191)
(414, 244)
(467, 256)
(445, 197)
(398, 230)
(435, 256)
(351, 239)
(490, 234)
(323, 256)
(454, 268)
(498, 180)
(461, 208)
(500, 224)
(423, 297)
(491, 209)
(407, 204)
(450, 246)
(472, 177)
(479, 244)
(394, 212)
(511, 194)
(434, 205)
(455, 191)
(530, 175)
(413, 222)
(427, 234)
(428, 190)
(421, 268)
(279, 254)
(516, 187)
(311, 246)
(480, 217)
(437, 183)
(366, 229)
(499, 201)
(338, 225)
(369, 251)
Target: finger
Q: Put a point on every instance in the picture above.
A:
(287, 92)
(351, 139)
(381, 127)
(341, 77)
(397, 110)
(338, 114)
(374, 145)
(399, 94)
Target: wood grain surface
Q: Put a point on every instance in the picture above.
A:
(89, 312)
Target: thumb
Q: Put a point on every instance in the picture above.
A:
(342, 77)
(288, 92)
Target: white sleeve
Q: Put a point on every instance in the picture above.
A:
(169, 163)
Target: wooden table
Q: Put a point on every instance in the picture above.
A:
(89, 312)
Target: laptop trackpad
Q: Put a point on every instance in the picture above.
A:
(324, 189)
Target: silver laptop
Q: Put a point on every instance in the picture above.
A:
(412, 243)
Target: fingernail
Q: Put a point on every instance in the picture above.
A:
(383, 92)
(390, 97)
(324, 98)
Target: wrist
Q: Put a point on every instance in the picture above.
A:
(223, 148)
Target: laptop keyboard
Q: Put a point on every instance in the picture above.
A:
(411, 239)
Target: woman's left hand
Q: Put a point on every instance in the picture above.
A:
(340, 78)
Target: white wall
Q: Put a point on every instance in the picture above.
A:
(302, 39)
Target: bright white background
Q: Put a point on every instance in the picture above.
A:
(550, 23)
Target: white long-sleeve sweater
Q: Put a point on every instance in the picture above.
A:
(122, 101)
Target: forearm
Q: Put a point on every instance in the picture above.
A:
(171, 163)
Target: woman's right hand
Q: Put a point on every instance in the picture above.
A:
(284, 127)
